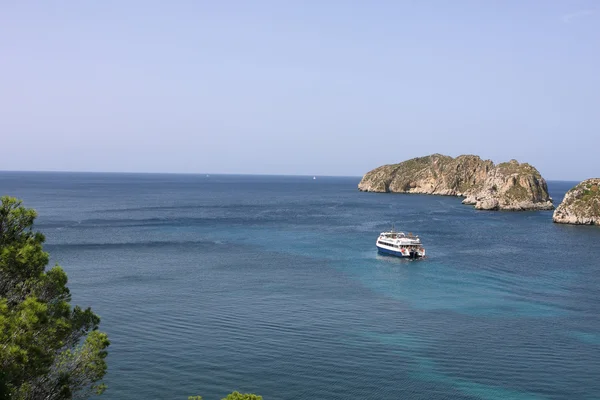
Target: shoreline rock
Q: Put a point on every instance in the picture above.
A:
(581, 205)
(509, 186)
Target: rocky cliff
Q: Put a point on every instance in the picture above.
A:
(506, 186)
(581, 204)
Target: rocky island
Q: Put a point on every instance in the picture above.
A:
(581, 204)
(506, 186)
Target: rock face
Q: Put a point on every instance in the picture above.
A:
(506, 186)
(581, 204)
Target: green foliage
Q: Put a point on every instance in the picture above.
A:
(48, 349)
(590, 191)
(233, 396)
(242, 396)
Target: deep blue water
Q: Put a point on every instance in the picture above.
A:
(273, 285)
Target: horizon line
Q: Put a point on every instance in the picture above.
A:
(217, 173)
(176, 173)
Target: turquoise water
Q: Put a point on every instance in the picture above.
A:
(273, 285)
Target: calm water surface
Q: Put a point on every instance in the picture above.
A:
(273, 285)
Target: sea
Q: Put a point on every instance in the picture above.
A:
(207, 284)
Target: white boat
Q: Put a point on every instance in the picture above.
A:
(400, 245)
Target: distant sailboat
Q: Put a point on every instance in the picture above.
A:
(314, 177)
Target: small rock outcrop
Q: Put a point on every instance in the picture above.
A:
(506, 186)
(581, 204)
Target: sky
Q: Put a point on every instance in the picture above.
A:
(324, 87)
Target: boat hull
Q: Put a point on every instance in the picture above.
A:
(396, 253)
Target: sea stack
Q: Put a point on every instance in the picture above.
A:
(510, 186)
(581, 205)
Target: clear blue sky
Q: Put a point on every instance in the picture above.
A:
(298, 87)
